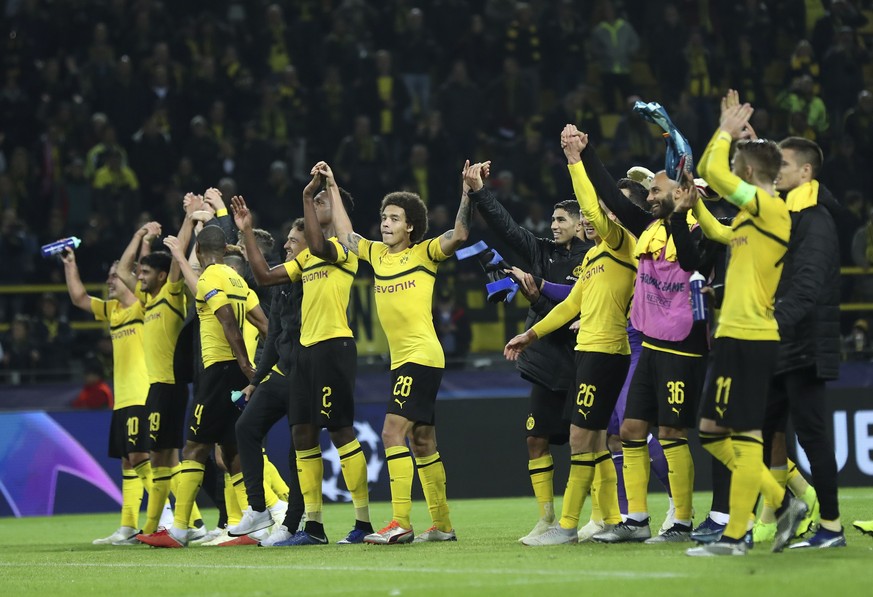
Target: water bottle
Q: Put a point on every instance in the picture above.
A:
(238, 398)
(698, 301)
(59, 246)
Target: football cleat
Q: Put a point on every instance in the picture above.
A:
(207, 536)
(865, 526)
(355, 536)
(542, 526)
(810, 498)
(301, 538)
(390, 535)
(554, 536)
(822, 539)
(592, 528)
(719, 548)
(122, 534)
(434, 534)
(678, 533)
(164, 538)
(281, 533)
(763, 532)
(623, 532)
(707, 531)
(251, 521)
(789, 519)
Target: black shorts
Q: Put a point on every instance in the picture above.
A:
(213, 418)
(326, 375)
(599, 378)
(739, 382)
(665, 389)
(414, 391)
(549, 414)
(128, 431)
(166, 405)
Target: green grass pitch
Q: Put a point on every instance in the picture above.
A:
(54, 556)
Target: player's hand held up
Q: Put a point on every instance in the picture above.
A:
(573, 142)
(735, 121)
(242, 217)
(516, 346)
(685, 196)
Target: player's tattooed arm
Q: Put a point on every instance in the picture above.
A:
(473, 176)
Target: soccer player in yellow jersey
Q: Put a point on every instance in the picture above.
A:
(601, 298)
(128, 434)
(747, 339)
(161, 290)
(405, 266)
(222, 308)
(327, 363)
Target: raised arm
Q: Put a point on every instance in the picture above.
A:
(140, 244)
(631, 217)
(500, 221)
(709, 224)
(180, 260)
(714, 166)
(315, 240)
(78, 295)
(573, 142)
(452, 240)
(341, 221)
(263, 273)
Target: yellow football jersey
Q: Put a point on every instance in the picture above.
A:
(403, 285)
(217, 286)
(164, 317)
(130, 379)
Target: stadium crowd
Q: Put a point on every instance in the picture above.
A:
(110, 111)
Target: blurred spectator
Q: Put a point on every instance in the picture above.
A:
(856, 345)
(634, 144)
(844, 170)
(452, 327)
(52, 334)
(362, 163)
(536, 220)
(804, 62)
(842, 75)
(416, 53)
(419, 178)
(807, 115)
(510, 100)
(116, 189)
(460, 103)
(96, 392)
(21, 354)
(614, 42)
(564, 65)
(384, 97)
(76, 196)
(667, 57)
(859, 125)
(203, 150)
(151, 157)
(505, 192)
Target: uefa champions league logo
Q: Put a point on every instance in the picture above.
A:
(372, 445)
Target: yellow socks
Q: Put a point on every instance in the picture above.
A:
(745, 483)
(768, 510)
(273, 479)
(174, 489)
(239, 490)
(131, 498)
(432, 475)
(400, 470)
(144, 471)
(607, 492)
(354, 467)
(681, 475)
(542, 473)
(190, 479)
(720, 446)
(637, 469)
(162, 477)
(310, 470)
(578, 486)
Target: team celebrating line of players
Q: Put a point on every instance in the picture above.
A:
(626, 251)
